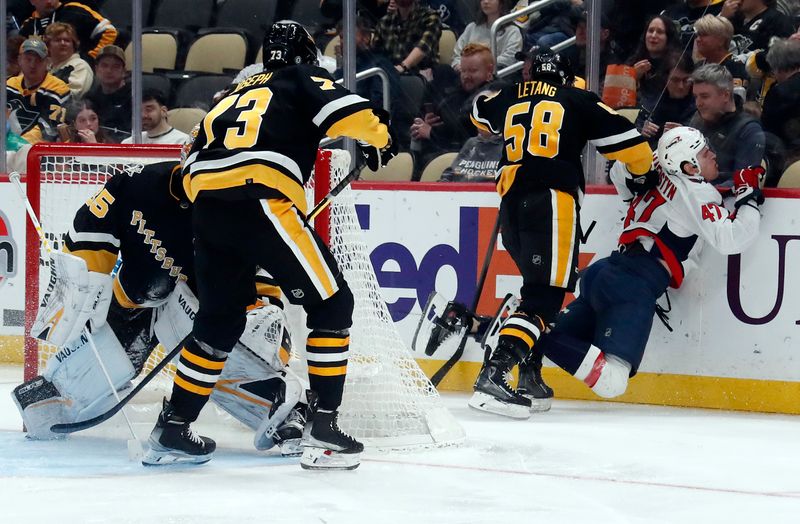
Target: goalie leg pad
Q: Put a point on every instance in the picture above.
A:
(256, 395)
(76, 374)
(175, 317)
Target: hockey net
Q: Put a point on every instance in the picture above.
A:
(388, 401)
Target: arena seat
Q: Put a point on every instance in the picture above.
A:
(307, 13)
(159, 51)
(791, 176)
(199, 91)
(251, 16)
(190, 15)
(120, 12)
(399, 169)
(447, 44)
(433, 171)
(185, 118)
(215, 51)
(159, 83)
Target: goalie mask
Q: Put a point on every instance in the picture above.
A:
(680, 146)
(551, 66)
(288, 43)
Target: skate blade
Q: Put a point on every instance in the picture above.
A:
(321, 458)
(291, 447)
(155, 457)
(484, 402)
(539, 405)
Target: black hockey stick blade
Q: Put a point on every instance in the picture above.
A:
(325, 202)
(72, 427)
(447, 366)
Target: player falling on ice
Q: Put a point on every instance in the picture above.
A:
(545, 123)
(601, 336)
(245, 175)
(146, 219)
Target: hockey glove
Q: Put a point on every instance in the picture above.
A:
(376, 157)
(641, 184)
(746, 186)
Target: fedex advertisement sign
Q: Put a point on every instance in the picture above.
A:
(424, 241)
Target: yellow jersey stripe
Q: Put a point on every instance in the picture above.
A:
(327, 372)
(188, 386)
(564, 237)
(200, 361)
(100, 261)
(122, 296)
(506, 178)
(329, 342)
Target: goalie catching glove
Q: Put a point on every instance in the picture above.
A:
(377, 157)
(747, 186)
(74, 297)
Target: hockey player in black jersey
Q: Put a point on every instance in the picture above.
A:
(545, 124)
(245, 175)
(145, 218)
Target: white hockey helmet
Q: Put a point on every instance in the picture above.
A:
(678, 146)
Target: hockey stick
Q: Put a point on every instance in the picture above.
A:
(86, 424)
(135, 450)
(447, 366)
(338, 188)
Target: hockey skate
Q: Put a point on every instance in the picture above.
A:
(325, 446)
(493, 393)
(532, 386)
(289, 434)
(173, 441)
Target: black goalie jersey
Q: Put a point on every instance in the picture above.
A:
(147, 220)
(263, 137)
(545, 128)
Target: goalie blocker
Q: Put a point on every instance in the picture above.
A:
(256, 387)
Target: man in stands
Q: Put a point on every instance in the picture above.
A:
(409, 36)
(154, 121)
(755, 23)
(736, 137)
(600, 337)
(448, 126)
(94, 31)
(37, 98)
(781, 115)
(112, 95)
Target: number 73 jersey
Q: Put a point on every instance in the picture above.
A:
(262, 138)
(545, 128)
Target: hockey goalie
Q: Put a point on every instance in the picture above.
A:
(145, 220)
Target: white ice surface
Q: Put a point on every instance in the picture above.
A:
(583, 462)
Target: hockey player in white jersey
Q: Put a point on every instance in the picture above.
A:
(601, 336)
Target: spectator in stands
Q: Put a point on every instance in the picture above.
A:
(477, 160)
(628, 18)
(755, 22)
(781, 115)
(653, 59)
(65, 62)
(83, 125)
(366, 58)
(154, 121)
(448, 125)
(12, 55)
(686, 13)
(94, 31)
(449, 14)
(713, 40)
(577, 53)
(509, 38)
(112, 95)
(677, 104)
(556, 24)
(736, 137)
(37, 98)
(409, 35)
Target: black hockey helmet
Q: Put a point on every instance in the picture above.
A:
(549, 65)
(288, 43)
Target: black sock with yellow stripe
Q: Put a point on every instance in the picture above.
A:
(519, 334)
(195, 378)
(326, 353)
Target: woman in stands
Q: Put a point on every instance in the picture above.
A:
(83, 125)
(653, 59)
(509, 38)
(66, 63)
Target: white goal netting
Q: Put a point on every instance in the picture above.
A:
(388, 401)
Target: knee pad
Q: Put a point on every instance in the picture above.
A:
(334, 313)
(613, 379)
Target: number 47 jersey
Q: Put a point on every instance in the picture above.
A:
(545, 128)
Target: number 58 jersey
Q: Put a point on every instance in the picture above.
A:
(263, 137)
(545, 128)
